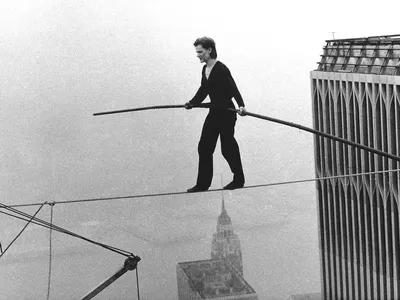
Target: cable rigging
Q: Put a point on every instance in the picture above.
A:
(129, 264)
(19, 234)
(24, 216)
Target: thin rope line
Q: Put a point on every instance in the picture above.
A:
(126, 253)
(208, 191)
(50, 251)
(137, 282)
(59, 229)
(56, 228)
(26, 225)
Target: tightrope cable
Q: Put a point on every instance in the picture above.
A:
(209, 191)
(26, 225)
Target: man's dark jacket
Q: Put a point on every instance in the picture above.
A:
(219, 86)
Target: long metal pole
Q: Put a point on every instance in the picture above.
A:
(129, 265)
(203, 105)
(137, 109)
(327, 135)
(301, 127)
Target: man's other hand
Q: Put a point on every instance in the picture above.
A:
(188, 105)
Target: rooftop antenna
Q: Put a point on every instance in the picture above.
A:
(333, 34)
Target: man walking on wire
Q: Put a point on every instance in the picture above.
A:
(217, 82)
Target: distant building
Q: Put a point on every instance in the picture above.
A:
(220, 277)
(212, 279)
(225, 242)
(356, 96)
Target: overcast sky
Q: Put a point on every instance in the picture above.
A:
(61, 61)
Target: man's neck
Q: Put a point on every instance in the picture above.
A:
(211, 62)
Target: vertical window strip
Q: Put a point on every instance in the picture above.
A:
(345, 237)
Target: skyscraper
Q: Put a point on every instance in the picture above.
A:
(225, 242)
(220, 277)
(356, 96)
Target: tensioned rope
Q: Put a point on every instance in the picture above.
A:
(50, 250)
(258, 116)
(26, 225)
(24, 216)
(211, 190)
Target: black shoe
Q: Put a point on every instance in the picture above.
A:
(234, 185)
(196, 189)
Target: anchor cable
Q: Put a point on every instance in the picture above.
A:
(45, 224)
(18, 235)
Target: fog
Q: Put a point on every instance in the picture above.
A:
(62, 61)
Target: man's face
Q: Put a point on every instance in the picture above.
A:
(203, 54)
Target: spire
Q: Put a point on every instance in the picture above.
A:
(223, 217)
(223, 210)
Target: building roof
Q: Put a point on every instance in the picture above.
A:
(211, 269)
(365, 55)
(313, 296)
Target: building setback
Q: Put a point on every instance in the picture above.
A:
(356, 96)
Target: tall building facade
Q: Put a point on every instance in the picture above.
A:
(356, 96)
(225, 242)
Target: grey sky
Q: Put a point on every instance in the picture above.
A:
(61, 61)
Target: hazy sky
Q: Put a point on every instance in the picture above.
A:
(61, 61)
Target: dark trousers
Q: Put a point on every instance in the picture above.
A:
(218, 123)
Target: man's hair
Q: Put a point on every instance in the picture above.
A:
(206, 43)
